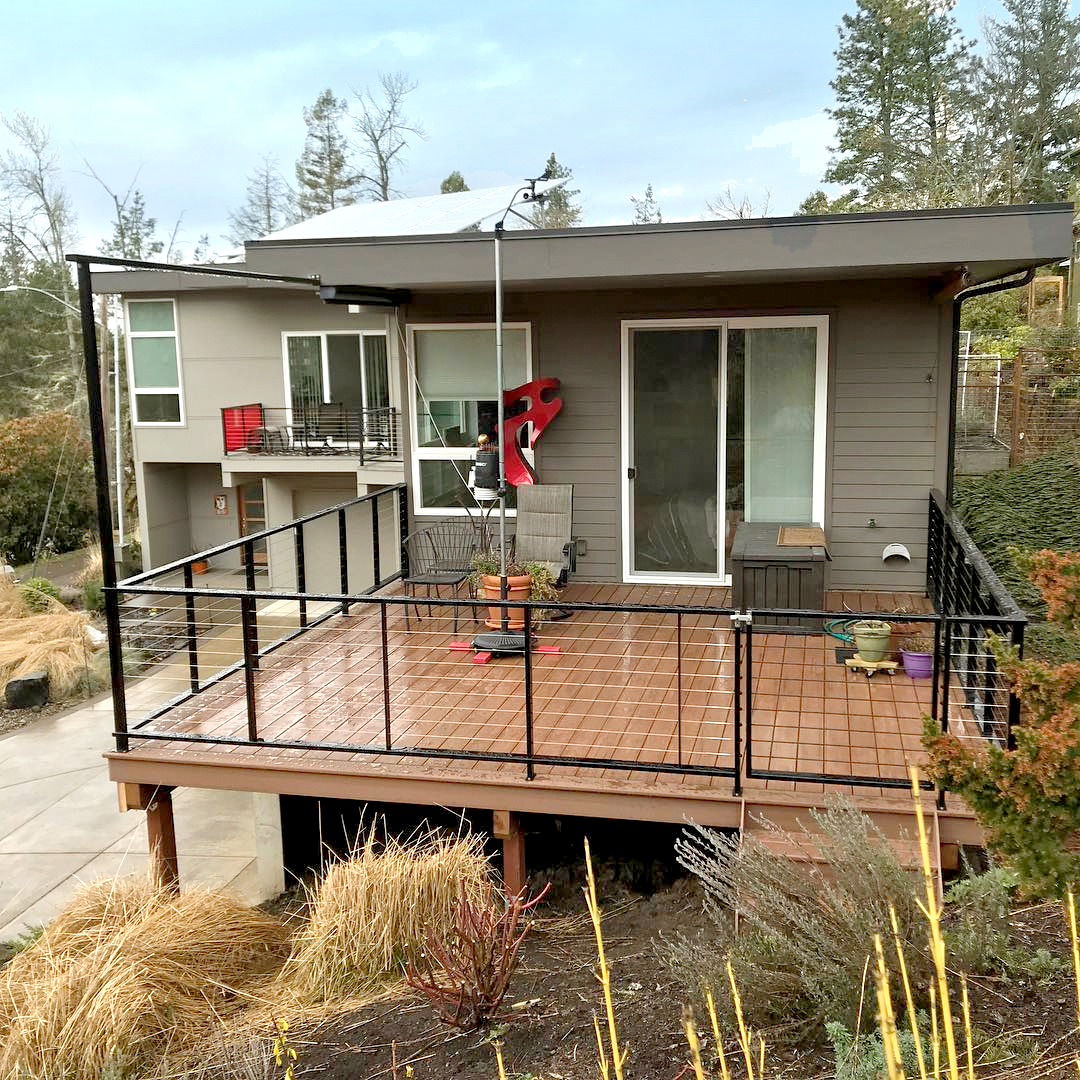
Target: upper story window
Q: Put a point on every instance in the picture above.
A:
(348, 369)
(454, 401)
(154, 351)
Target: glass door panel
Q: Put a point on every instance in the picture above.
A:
(674, 396)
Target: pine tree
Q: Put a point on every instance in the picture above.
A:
(270, 204)
(1033, 83)
(323, 175)
(646, 209)
(558, 210)
(453, 183)
(134, 232)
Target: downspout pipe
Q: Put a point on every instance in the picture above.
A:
(954, 375)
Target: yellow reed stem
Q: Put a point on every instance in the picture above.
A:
(744, 1035)
(1071, 907)
(909, 996)
(618, 1058)
(966, 1004)
(692, 1041)
(601, 1053)
(935, 1033)
(932, 911)
(715, 1021)
(890, 1041)
(499, 1060)
(761, 1058)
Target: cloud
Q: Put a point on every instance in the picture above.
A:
(807, 138)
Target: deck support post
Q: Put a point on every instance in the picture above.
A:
(507, 828)
(156, 800)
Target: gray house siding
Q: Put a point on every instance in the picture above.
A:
(889, 365)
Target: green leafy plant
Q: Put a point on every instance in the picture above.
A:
(37, 593)
(1027, 799)
(487, 564)
(862, 1056)
(93, 595)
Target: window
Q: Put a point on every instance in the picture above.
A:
(345, 369)
(453, 386)
(154, 362)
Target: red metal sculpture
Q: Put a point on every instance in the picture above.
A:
(543, 408)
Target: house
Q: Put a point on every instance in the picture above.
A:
(715, 375)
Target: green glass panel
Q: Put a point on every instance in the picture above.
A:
(157, 408)
(150, 315)
(154, 362)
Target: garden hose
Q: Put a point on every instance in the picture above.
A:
(841, 629)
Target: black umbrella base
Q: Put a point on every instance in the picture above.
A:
(498, 642)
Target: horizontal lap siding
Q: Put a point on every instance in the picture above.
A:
(885, 392)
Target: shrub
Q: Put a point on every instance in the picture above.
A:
(806, 927)
(863, 1057)
(38, 594)
(93, 595)
(35, 451)
(1027, 799)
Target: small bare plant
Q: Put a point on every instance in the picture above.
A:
(466, 973)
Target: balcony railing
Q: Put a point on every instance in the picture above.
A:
(365, 434)
(700, 689)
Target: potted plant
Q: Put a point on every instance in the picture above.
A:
(917, 653)
(872, 639)
(199, 565)
(525, 581)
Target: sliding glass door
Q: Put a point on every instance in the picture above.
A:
(723, 421)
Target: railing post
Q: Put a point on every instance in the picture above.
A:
(678, 685)
(343, 558)
(377, 579)
(301, 574)
(1014, 702)
(736, 790)
(530, 772)
(192, 648)
(385, 673)
(252, 624)
(359, 417)
(403, 528)
(251, 661)
(939, 713)
(748, 740)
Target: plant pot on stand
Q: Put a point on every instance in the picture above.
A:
(873, 638)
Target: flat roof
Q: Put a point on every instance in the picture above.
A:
(982, 242)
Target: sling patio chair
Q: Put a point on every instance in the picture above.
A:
(440, 555)
(545, 518)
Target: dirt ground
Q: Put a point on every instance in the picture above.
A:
(1023, 1029)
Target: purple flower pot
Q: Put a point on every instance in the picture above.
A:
(918, 665)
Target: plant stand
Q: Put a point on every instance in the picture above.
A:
(871, 667)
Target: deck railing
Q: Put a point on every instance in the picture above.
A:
(366, 434)
(963, 586)
(643, 688)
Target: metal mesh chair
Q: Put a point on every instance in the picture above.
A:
(440, 555)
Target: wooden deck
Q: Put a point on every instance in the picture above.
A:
(615, 691)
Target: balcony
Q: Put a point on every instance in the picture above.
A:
(658, 703)
(365, 435)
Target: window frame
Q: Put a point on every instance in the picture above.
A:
(133, 391)
(324, 363)
(450, 453)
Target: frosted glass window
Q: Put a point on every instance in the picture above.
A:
(780, 374)
(152, 316)
(153, 360)
(460, 364)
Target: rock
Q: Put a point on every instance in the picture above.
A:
(27, 691)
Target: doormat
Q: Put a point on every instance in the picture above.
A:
(801, 536)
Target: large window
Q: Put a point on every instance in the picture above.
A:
(154, 353)
(347, 369)
(453, 386)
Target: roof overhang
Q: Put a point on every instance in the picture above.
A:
(982, 243)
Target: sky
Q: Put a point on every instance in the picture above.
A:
(185, 99)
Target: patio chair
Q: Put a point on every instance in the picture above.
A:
(439, 555)
(545, 517)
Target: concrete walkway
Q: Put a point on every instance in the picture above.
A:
(60, 825)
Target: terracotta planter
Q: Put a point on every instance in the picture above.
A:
(517, 588)
(200, 567)
(918, 665)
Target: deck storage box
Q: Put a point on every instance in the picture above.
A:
(765, 574)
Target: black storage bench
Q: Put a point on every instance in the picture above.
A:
(765, 574)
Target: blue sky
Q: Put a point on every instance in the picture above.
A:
(690, 96)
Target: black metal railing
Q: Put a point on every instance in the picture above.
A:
(697, 690)
(964, 587)
(311, 430)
